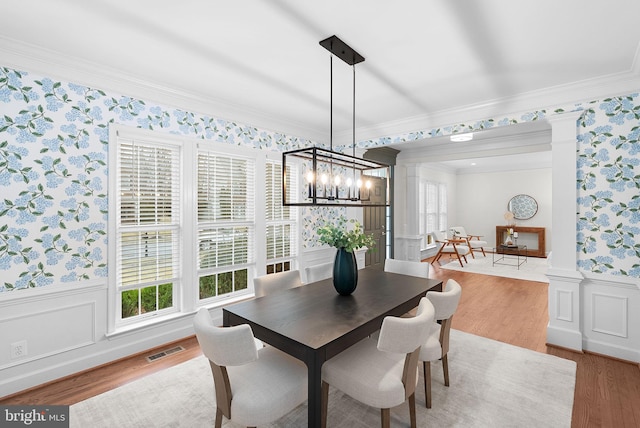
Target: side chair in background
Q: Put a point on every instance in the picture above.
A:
(457, 247)
(273, 282)
(473, 241)
(318, 272)
(407, 267)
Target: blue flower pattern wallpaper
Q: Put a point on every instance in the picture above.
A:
(54, 175)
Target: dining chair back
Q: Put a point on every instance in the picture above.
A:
(436, 347)
(253, 387)
(318, 272)
(275, 282)
(407, 267)
(382, 373)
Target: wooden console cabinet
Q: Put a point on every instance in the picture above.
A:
(501, 234)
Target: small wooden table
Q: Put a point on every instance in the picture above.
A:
(540, 251)
(313, 323)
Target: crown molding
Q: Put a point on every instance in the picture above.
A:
(24, 56)
(572, 93)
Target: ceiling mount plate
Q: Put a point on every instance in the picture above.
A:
(342, 50)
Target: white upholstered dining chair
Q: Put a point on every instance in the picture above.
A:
(318, 272)
(274, 282)
(436, 346)
(407, 267)
(473, 241)
(253, 387)
(382, 373)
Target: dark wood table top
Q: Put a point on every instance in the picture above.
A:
(315, 315)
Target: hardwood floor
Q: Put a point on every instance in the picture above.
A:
(512, 311)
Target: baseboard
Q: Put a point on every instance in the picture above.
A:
(568, 339)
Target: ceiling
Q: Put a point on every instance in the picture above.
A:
(260, 62)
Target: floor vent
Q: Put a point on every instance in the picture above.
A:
(165, 353)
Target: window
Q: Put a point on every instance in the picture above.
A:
(281, 221)
(183, 228)
(226, 226)
(432, 210)
(148, 228)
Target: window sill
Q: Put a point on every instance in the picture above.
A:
(159, 320)
(154, 321)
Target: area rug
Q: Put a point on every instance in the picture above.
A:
(492, 384)
(532, 270)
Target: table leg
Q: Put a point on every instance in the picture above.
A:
(314, 366)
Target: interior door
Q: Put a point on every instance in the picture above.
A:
(375, 219)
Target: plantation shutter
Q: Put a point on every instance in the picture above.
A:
(226, 211)
(280, 220)
(148, 223)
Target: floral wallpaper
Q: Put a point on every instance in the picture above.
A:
(609, 187)
(54, 175)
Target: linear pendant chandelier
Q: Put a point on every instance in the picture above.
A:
(334, 178)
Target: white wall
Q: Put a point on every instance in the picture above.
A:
(481, 201)
(478, 201)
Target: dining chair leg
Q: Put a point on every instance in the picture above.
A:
(427, 383)
(445, 369)
(325, 404)
(412, 410)
(218, 423)
(385, 418)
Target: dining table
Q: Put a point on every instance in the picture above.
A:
(313, 323)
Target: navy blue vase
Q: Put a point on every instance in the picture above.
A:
(345, 272)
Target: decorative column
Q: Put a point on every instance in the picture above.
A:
(408, 240)
(565, 326)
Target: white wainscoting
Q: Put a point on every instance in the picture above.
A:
(610, 316)
(49, 332)
(564, 307)
(65, 327)
(594, 312)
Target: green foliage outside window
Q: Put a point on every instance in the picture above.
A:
(153, 298)
(222, 283)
